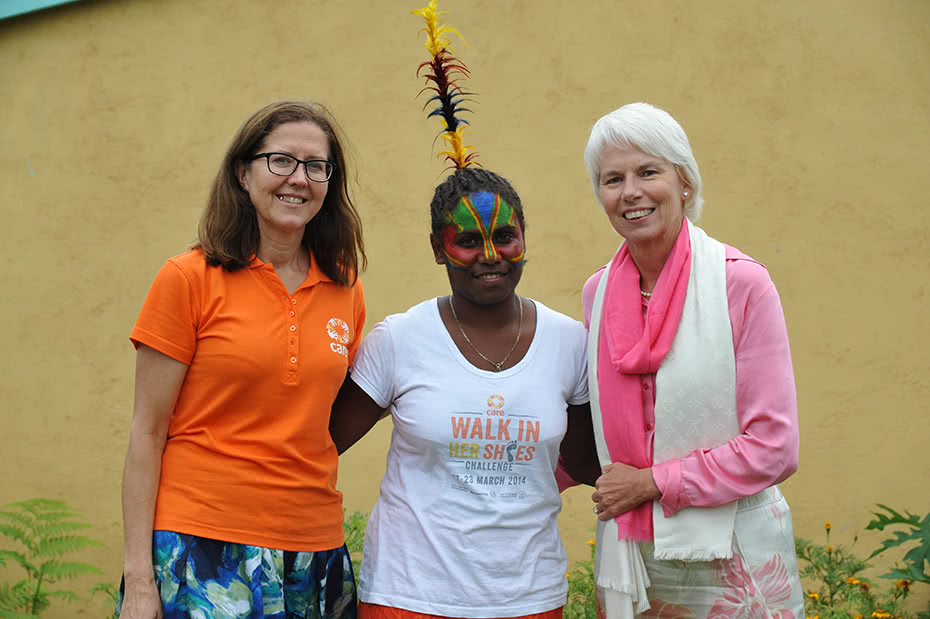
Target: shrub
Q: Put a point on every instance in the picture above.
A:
(580, 602)
(917, 559)
(840, 590)
(45, 529)
(354, 526)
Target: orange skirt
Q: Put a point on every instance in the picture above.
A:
(376, 611)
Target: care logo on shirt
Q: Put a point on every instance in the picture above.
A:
(338, 331)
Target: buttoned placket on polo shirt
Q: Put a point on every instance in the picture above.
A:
(292, 340)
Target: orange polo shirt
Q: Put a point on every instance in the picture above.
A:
(249, 458)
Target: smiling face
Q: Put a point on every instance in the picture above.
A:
(285, 204)
(642, 196)
(482, 244)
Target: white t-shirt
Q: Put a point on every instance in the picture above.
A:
(465, 524)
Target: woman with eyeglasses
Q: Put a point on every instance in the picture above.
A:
(229, 500)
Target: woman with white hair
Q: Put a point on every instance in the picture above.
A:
(692, 391)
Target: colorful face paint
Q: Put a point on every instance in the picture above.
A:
(482, 225)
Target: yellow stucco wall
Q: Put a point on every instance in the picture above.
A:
(810, 120)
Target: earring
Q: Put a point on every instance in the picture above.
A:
(685, 194)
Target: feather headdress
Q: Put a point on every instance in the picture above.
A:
(442, 73)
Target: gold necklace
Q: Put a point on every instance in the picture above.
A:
(497, 366)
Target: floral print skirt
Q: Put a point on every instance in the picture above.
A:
(209, 579)
(760, 581)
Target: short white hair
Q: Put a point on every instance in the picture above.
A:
(653, 131)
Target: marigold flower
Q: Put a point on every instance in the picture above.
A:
(853, 581)
(827, 525)
(590, 542)
(903, 584)
(881, 614)
(813, 595)
(829, 548)
(857, 616)
(864, 586)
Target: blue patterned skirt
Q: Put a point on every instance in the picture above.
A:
(201, 578)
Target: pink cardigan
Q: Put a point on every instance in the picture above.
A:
(766, 452)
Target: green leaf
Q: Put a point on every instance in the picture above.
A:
(916, 530)
(64, 594)
(21, 519)
(19, 558)
(893, 517)
(14, 598)
(20, 535)
(66, 569)
(57, 516)
(57, 529)
(16, 532)
(41, 505)
(57, 546)
(108, 588)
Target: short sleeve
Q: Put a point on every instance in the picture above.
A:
(358, 311)
(169, 317)
(580, 393)
(373, 368)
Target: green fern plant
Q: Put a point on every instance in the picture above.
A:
(45, 529)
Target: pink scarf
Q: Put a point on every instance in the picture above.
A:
(636, 347)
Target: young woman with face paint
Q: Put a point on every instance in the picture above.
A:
(482, 386)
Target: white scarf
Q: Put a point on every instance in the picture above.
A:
(695, 409)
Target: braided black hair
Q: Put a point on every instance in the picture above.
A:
(466, 181)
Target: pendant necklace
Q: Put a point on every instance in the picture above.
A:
(497, 366)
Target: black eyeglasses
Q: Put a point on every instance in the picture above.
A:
(282, 164)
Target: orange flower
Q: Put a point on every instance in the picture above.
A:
(813, 595)
(853, 581)
(881, 614)
(864, 586)
(590, 542)
(903, 584)
(827, 525)
(857, 616)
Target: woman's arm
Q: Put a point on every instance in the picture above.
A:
(158, 382)
(766, 451)
(578, 453)
(354, 414)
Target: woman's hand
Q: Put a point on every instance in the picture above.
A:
(622, 487)
(141, 601)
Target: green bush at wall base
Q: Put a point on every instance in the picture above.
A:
(44, 531)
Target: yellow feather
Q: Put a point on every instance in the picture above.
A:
(435, 30)
(437, 41)
(457, 151)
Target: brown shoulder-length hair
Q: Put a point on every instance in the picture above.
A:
(228, 234)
